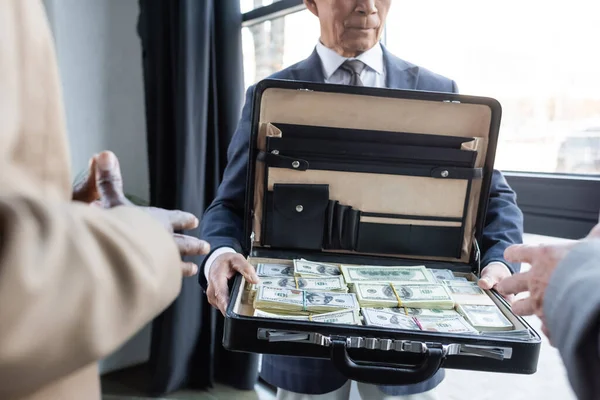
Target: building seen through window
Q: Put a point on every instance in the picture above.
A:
(536, 58)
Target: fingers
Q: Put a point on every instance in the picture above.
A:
(521, 253)
(109, 180)
(493, 274)
(217, 292)
(510, 298)
(191, 246)
(86, 190)
(524, 307)
(189, 269)
(594, 233)
(515, 284)
(546, 332)
(225, 267)
(243, 267)
(181, 220)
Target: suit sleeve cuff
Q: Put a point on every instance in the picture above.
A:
(210, 260)
(216, 245)
(496, 262)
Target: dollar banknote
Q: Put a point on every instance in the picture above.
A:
(367, 273)
(468, 293)
(306, 268)
(333, 284)
(453, 281)
(268, 270)
(518, 334)
(302, 302)
(445, 325)
(485, 317)
(349, 317)
(388, 319)
(426, 312)
(329, 284)
(403, 295)
(442, 274)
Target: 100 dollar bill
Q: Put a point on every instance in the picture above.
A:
(403, 295)
(349, 317)
(296, 301)
(485, 317)
(446, 325)
(306, 268)
(366, 273)
(388, 319)
(268, 270)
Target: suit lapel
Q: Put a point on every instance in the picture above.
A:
(309, 70)
(399, 73)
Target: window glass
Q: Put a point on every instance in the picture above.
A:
(537, 57)
(249, 5)
(276, 44)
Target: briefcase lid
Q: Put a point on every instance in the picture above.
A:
(432, 196)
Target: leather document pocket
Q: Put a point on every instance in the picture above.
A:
(296, 216)
(430, 237)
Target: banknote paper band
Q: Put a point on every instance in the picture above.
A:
(397, 297)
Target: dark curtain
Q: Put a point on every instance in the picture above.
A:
(193, 78)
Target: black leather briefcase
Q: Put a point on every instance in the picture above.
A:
(368, 176)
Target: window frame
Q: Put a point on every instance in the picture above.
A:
(558, 205)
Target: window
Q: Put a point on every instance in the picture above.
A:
(535, 57)
(276, 44)
(249, 5)
(532, 57)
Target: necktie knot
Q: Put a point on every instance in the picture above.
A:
(354, 68)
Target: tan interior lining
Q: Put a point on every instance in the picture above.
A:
(379, 193)
(400, 221)
(377, 113)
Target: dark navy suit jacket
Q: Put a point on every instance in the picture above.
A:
(222, 223)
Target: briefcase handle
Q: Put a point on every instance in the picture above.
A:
(385, 375)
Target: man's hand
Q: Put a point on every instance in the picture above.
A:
(86, 190)
(492, 275)
(224, 268)
(103, 186)
(543, 260)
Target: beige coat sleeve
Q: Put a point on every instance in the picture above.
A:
(75, 281)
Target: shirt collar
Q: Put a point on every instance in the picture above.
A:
(373, 58)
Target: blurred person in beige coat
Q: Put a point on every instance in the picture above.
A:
(76, 281)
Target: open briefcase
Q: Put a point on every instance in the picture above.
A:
(359, 176)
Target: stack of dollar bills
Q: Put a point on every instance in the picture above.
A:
(302, 302)
(396, 297)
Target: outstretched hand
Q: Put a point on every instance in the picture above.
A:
(103, 187)
(543, 260)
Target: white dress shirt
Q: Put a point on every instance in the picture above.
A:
(373, 75)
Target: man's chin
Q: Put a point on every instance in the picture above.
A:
(358, 46)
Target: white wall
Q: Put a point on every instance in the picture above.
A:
(99, 56)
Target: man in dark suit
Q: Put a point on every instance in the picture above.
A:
(348, 53)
